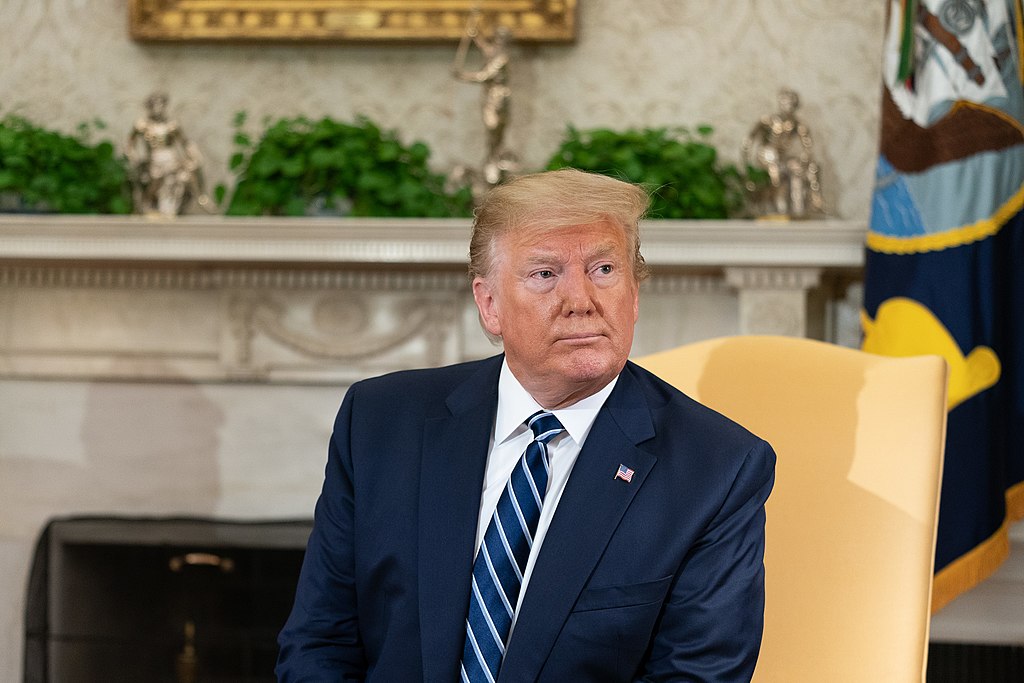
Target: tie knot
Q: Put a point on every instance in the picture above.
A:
(545, 426)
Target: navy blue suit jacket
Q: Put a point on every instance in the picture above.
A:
(657, 579)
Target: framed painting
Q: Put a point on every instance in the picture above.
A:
(345, 20)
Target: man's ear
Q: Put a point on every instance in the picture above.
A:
(486, 305)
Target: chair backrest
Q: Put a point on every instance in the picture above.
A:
(850, 535)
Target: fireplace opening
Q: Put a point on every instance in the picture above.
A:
(160, 600)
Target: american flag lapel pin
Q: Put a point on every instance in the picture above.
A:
(624, 473)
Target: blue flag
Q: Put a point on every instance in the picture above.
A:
(945, 255)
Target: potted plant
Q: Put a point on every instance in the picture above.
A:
(680, 167)
(47, 171)
(304, 167)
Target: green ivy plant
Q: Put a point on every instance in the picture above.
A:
(680, 168)
(304, 167)
(46, 171)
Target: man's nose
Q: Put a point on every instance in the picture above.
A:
(577, 292)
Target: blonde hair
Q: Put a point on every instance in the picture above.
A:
(554, 199)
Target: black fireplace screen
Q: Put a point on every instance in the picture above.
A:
(154, 600)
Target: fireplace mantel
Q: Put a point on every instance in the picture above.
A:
(403, 241)
(329, 300)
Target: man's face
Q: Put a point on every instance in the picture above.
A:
(564, 301)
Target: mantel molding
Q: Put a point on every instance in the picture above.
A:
(335, 300)
(424, 242)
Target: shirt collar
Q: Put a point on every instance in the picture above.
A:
(515, 405)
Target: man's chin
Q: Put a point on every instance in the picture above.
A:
(591, 365)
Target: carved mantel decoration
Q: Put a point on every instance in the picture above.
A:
(273, 300)
(345, 20)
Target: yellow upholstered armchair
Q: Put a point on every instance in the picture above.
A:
(851, 521)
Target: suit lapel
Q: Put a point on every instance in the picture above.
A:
(451, 480)
(588, 513)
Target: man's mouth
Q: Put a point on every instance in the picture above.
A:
(580, 337)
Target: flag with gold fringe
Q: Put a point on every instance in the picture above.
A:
(944, 267)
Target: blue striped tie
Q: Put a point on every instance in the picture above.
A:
(501, 560)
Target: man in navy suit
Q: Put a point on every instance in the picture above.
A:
(646, 561)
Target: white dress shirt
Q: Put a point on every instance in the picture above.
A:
(509, 440)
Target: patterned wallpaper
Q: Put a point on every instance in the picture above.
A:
(635, 63)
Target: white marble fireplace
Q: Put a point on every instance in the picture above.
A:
(193, 367)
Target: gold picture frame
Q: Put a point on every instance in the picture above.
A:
(345, 20)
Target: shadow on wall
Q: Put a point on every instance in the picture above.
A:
(153, 448)
(142, 449)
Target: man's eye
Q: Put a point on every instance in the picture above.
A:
(544, 274)
(606, 269)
